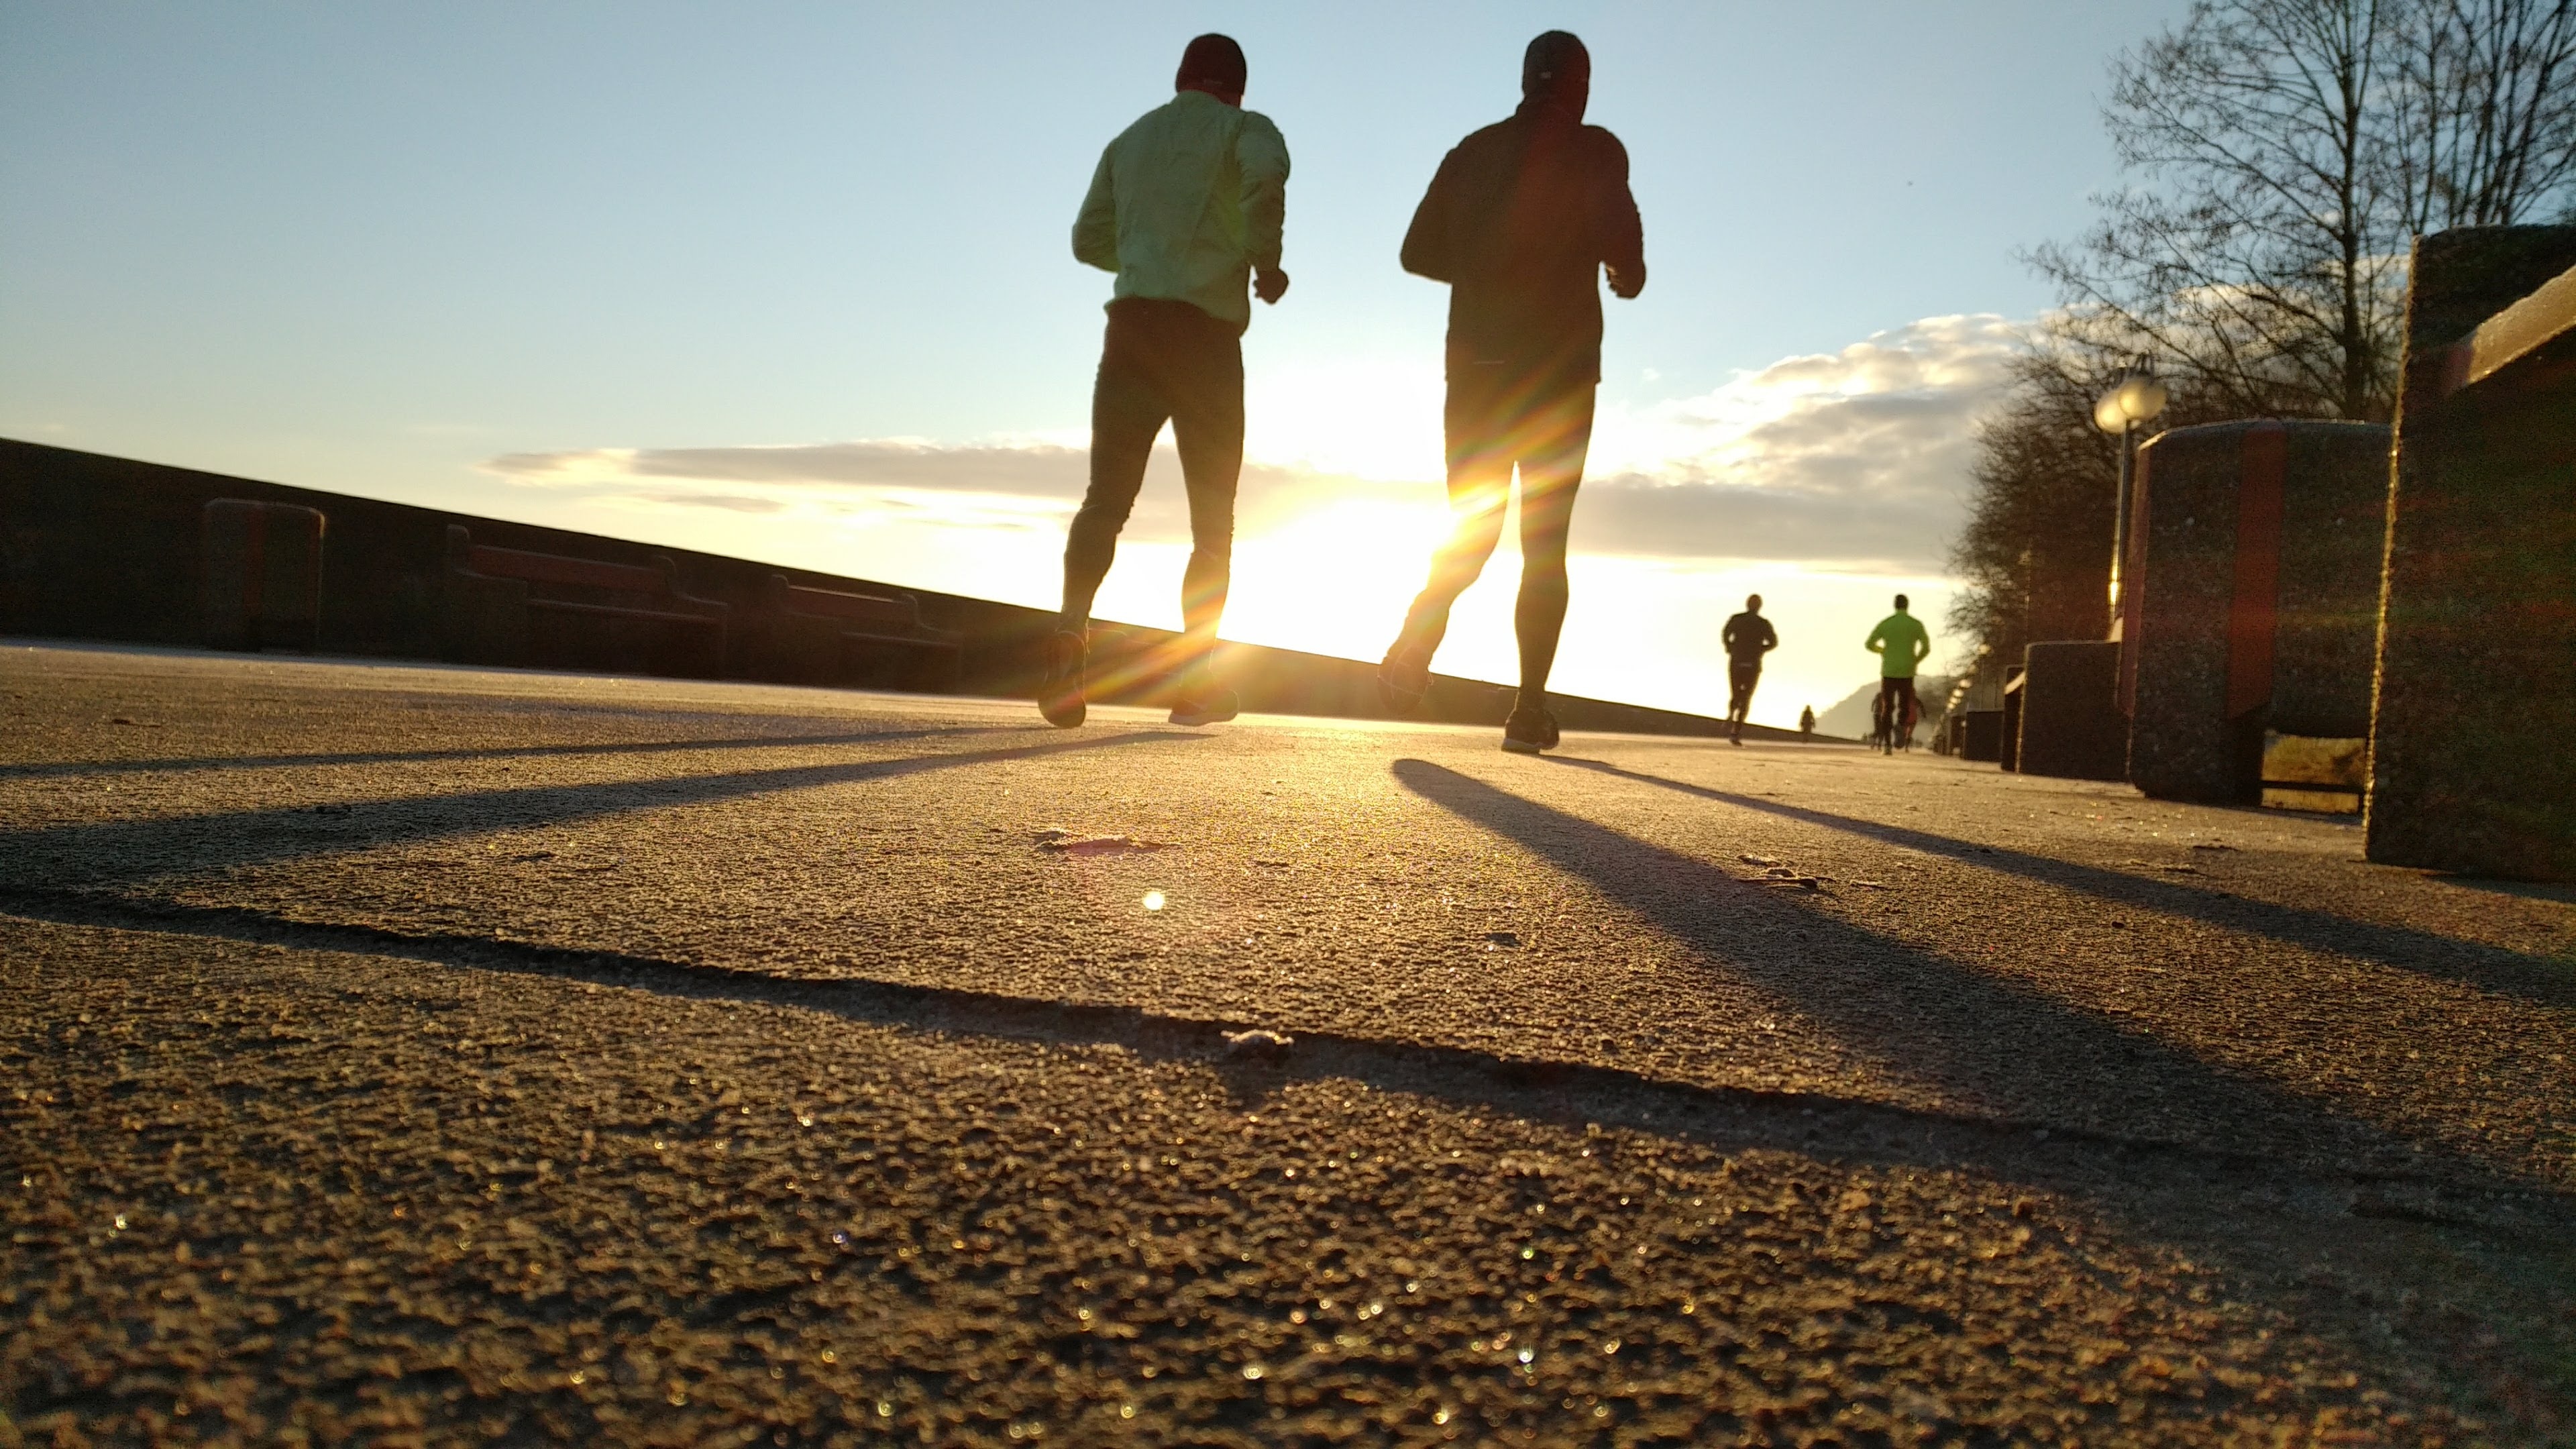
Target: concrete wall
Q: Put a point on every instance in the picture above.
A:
(2251, 598)
(93, 547)
(2070, 719)
(2473, 731)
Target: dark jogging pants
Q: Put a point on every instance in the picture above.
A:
(1162, 361)
(1537, 416)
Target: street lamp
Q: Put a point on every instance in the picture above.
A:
(2135, 398)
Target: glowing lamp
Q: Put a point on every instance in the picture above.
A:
(2136, 398)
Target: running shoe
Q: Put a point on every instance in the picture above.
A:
(1530, 730)
(1060, 693)
(1206, 707)
(1403, 679)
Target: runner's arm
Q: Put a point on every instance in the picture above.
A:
(1095, 227)
(1430, 248)
(1261, 155)
(1623, 232)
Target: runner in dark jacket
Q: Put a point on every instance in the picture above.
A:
(1747, 637)
(1520, 221)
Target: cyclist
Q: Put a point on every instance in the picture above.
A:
(1747, 637)
(1901, 644)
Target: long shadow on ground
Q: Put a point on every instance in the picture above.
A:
(2487, 968)
(498, 752)
(1990, 1044)
(128, 851)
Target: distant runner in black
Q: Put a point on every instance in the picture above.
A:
(1747, 637)
(1521, 221)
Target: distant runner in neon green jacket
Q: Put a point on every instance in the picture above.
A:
(1901, 644)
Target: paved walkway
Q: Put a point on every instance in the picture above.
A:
(459, 1054)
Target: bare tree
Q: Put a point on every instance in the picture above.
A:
(2249, 254)
(2283, 151)
(2481, 130)
(2280, 153)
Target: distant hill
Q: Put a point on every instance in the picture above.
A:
(1850, 719)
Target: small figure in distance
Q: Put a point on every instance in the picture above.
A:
(1807, 720)
(1522, 221)
(1901, 643)
(1747, 637)
(1186, 207)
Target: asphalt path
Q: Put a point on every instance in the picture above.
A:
(406, 1054)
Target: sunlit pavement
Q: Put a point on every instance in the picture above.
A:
(426, 1054)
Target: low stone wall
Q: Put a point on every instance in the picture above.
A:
(2251, 598)
(2472, 768)
(2070, 717)
(94, 547)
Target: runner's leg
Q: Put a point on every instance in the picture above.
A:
(1552, 439)
(1206, 388)
(1127, 411)
(1480, 481)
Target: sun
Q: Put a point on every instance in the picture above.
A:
(1335, 580)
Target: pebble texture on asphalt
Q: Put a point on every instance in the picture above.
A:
(449, 1055)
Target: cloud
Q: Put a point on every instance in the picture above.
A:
(1855, 460)
(1019, 486)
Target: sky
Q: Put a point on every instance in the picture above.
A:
(793, 282)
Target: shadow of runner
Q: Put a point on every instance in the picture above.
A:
(498, 752)
(1985, 1043)
(2488, 968)
(128, 851)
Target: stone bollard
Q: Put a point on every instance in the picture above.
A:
(2070, 715)
(2253, 581)
(262, 574)
(2472, 768)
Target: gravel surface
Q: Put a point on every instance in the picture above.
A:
(437, 1054)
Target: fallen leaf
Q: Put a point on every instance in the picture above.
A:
(1258, 1045)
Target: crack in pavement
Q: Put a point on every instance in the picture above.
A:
(1539, 1089)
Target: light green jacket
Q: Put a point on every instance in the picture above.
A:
(1186, 203)
(1900, 641)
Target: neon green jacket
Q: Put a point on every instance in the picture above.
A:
(1185, 203)
(1900, 642)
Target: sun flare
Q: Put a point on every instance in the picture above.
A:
(1335, 580)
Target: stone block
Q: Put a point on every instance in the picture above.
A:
(2071, 724)
(2471, 765)
(2250, 599)
(260, 574)
(1982, 738)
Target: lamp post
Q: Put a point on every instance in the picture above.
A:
(2135, 398)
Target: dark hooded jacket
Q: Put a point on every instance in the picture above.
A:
(1518, 221)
